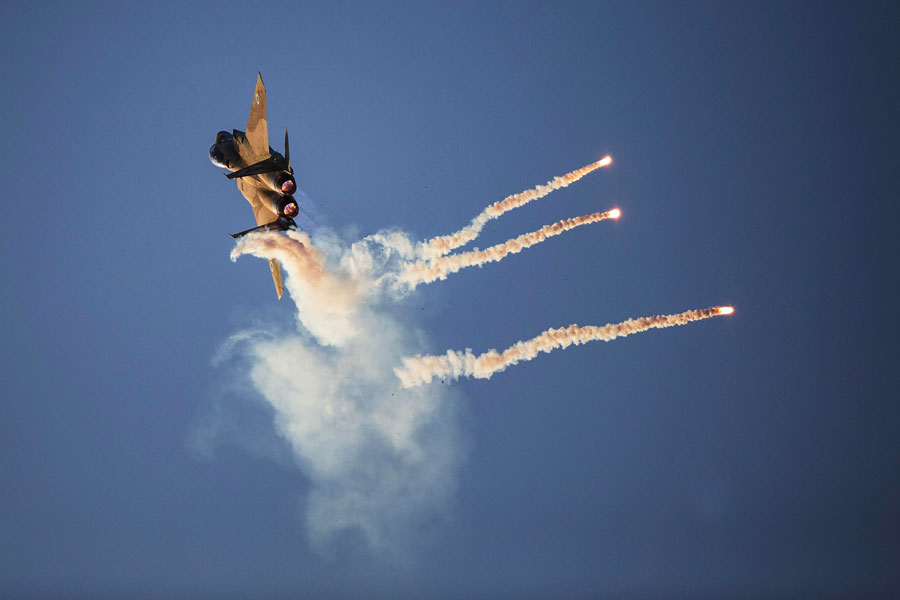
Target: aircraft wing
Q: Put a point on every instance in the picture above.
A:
(263, 215)
(257, 124)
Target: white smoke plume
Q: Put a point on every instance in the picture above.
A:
(380, 450)
(419, 369)
(439, 268)
(381, 461)
(326, 302)
(442, 245)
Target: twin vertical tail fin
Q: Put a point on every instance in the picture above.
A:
(287, 151)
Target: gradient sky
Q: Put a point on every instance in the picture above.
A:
(755, 163)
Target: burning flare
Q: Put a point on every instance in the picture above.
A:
(426, 272)
(442, 245)
(418, 370)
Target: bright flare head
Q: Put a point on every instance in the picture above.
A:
(726, 310)
(614, 213)
(606, 161)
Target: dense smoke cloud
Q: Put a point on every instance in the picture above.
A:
(381, 450)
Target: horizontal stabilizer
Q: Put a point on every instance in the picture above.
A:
(269, 165)
(279, 224)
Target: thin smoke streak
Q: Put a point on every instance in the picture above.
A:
(419, 370)
(440, 268)
(445, 244)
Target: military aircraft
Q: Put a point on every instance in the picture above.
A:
(263, 175)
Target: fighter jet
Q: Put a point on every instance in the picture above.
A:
(263, 175)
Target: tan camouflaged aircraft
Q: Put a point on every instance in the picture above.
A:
(264, 176)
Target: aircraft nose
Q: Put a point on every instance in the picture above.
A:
(217, 156)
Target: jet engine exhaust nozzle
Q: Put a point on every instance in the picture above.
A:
(288, 207)
(286, 184)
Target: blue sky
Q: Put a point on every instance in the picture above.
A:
(754, 153)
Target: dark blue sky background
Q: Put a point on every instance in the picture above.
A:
(755, 163)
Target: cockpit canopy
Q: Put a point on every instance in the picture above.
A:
(217, 156)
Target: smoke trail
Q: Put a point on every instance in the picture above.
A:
(426, 272)
(293, 249)
(440, 246)
(420, 369)
(326, 302)
(381, 461)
